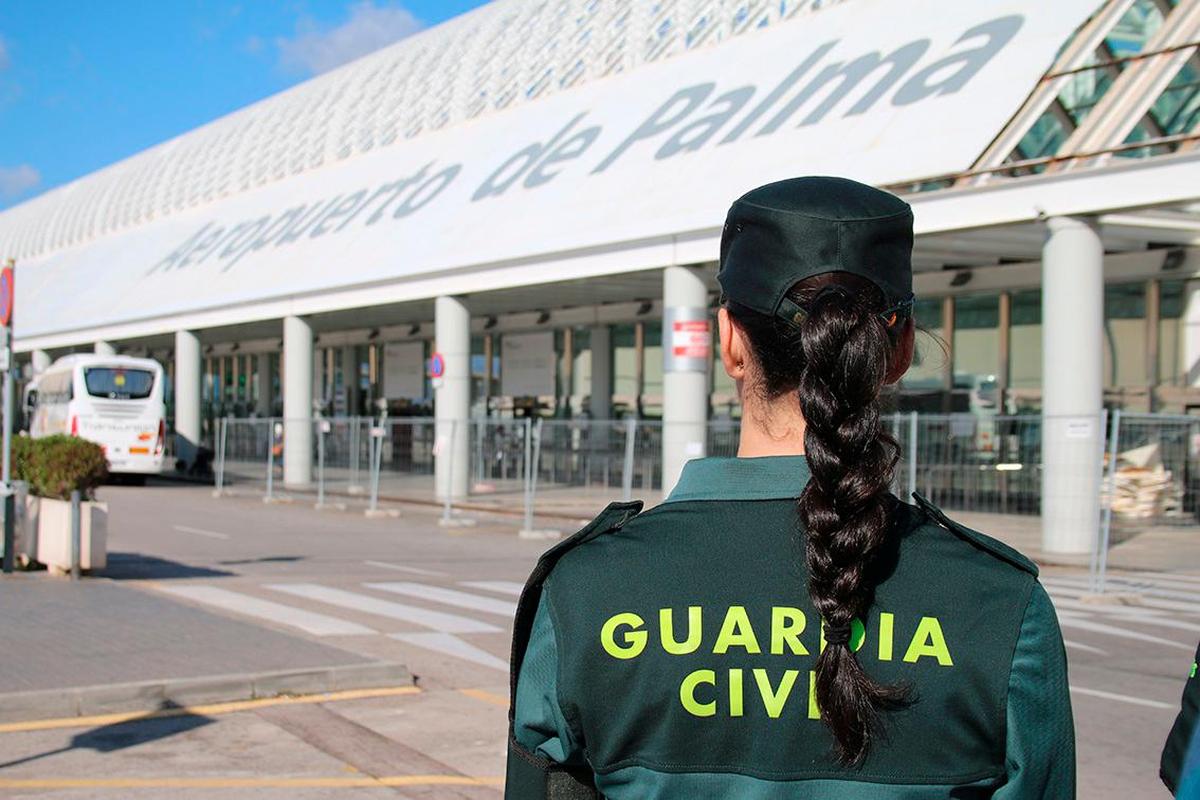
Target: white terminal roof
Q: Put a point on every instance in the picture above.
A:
(528, 142)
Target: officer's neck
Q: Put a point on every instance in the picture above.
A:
(771, 429)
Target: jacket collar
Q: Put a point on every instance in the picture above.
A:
(764, 478)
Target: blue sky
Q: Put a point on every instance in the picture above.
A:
(84, 84)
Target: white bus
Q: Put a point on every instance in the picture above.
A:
(115, 401)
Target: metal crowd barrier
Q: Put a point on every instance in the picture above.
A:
(561, 471)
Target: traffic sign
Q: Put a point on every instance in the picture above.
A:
(6, 296)
(437, 365)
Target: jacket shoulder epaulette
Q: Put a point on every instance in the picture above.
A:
(533, 774)
(608, 520)
(984, 542)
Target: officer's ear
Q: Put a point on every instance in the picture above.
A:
(902, 355)
(735, 350)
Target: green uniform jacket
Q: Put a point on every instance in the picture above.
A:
(671, 655)
(1175, 754)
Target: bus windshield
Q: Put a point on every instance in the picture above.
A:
(118, 383)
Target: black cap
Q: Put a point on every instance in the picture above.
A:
(787, 231)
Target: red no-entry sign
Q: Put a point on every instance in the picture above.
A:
(437, 365)
(6, 296)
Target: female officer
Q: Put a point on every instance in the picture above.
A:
(782, 626)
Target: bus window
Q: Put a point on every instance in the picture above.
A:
(117, 383)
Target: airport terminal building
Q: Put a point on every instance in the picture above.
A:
(534, 191)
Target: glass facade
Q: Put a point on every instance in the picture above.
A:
(976, 345)
(1172, 366)
(1025, 340)
(1125, 335)
(929, 357)
(626, 369)
(1132, 41)
(1143, 362)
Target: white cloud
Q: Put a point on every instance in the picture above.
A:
(5, 62)
(314, 49)
(17, 180)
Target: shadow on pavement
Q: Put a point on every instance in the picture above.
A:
(130, 733)
(139, 566)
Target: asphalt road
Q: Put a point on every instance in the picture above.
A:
(440, 601)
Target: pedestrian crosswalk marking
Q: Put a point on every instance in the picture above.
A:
(1069, 621)
(499, 587)
(450, 597)
(1057, 590)
(1159, 613)
(1170, 577)
(404, 568)
(1124, 698)
(1127, 614)
(1115, 584)
(452, 646)
(307, 621)
(440, 621)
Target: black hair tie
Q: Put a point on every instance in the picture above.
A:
(837, 634)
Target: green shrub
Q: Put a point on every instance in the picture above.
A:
(55, 465)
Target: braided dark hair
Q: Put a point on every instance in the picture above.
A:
(837, 361)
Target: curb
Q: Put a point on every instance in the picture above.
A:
(85, 701)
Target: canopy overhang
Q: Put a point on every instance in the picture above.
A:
(624, 174)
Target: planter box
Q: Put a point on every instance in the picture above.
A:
(47, 532)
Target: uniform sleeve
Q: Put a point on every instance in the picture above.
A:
(539, 723)
(1176, 749)
(1041, 733)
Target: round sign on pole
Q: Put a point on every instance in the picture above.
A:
(437, 365)
(6, 296)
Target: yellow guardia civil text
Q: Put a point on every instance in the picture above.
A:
(708, 692)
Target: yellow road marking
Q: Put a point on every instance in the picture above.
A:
(487, 697)
(247, 783)
(205, 710)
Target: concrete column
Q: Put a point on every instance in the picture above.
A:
(41, 361)
(1072, 381)
(297, 401)
(600, 401)
(687, 354)
(104, 349)
(1191, 333)
(452, 396)
(188, 382)
(262, 372)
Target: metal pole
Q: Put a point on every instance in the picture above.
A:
(10, 513)
(10, 505)
(76, 533)
(321, 463)
(480, 432)
(446, 499)
(372, 472)
(912, 453)
(270, 457)
(627, 473)
(1106, 525)
(222, 434)
(533, 473)
(376, 451)
(6, 476)
(528, 473)
(354, 445)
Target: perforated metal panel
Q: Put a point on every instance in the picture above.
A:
(500, 56)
